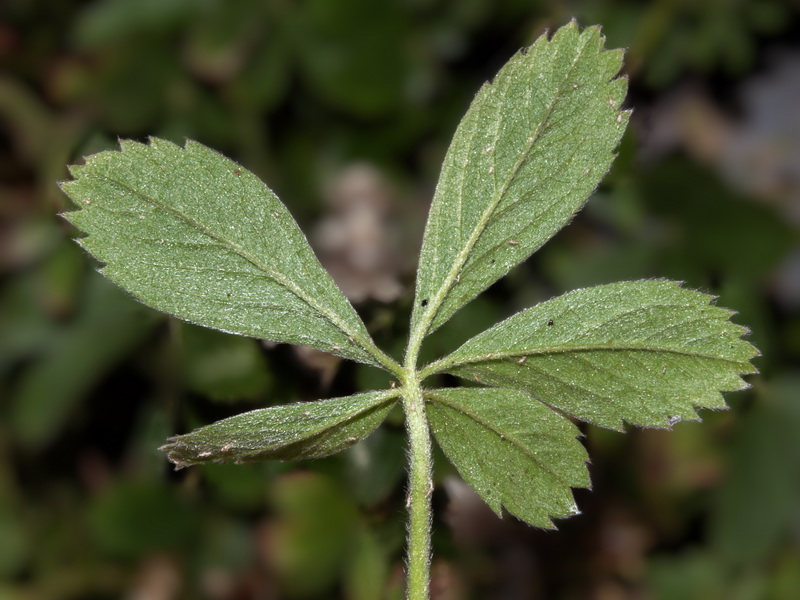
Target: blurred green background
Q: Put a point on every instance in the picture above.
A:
(346, 107)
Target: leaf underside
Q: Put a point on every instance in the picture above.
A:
(289, 432)
(532, 147)
(191, 233)
(645, 352)
(516, 452)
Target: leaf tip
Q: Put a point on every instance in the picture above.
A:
(172, 450)
(566, 31)
(128, 145)
(68, 216)
(162, 144)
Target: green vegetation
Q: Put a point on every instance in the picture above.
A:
(192, 233)
(340, 117)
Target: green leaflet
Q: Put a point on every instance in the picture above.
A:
(288, 432)
(191, 233)
(646, 352)
(516, 452)
(532, 147)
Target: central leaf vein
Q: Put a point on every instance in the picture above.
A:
(487, 216)
(276, 276)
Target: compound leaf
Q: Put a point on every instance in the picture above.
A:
(289, 432)
(191, 233)
(646, 352)
(532, 147)
(516, 452)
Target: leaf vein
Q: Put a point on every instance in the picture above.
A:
(486, 424)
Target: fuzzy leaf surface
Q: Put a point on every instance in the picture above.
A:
(289, 432)
(516, 452)
(645, 352)
(533, 145)
(191, 233)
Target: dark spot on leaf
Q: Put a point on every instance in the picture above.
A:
(237, 172)
(493, 261)
(550, 323)
(424, 302)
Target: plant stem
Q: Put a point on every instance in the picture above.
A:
(420, 488)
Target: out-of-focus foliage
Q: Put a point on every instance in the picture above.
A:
(706, 189)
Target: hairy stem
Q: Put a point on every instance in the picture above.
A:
(420, 488)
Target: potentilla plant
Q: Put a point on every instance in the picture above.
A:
(193, 234)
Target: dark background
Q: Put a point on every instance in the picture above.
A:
(346, 108)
